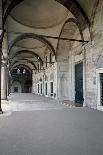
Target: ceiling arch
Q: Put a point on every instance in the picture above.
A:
(33, 36)
(70, 20)
(19, 61)
(72, 29)
(27, 52)
(73, 20)
(8, 6)
(23, 66)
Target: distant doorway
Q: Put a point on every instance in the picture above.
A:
(79, 83)
(24, 76)
(27, 86)
(15, 89)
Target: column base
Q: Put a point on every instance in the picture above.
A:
(4, 101)
(1, 112)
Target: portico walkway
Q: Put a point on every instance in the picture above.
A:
(50, 129)
(30, 102)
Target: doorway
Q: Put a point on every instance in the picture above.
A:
(79, 83)
(15, 89)
(101, 89)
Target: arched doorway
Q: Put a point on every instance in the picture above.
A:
(70, 59)
(24, 76)
(16, 87)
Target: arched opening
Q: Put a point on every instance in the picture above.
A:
(24, 76)
(70, 61)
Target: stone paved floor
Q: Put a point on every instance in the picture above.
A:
(30, 102)
(55, 130)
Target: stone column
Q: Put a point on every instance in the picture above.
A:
(4, 74)
(3, 81)
(0, 77)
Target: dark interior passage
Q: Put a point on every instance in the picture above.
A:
(23, 79)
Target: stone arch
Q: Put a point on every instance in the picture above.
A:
(72, 5)
(34, 36)
(28, 61)
(73, 20)
(29, 52)
(77, 25)
(23, 66)
(8, 6)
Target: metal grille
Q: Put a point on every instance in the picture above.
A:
(101, 89)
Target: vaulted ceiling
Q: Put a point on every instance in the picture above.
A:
(44, 17)
(39, 13)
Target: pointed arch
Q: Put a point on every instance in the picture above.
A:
(33, 36)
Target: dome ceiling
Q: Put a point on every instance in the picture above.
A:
(39, 13)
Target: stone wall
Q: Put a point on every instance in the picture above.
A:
(46, 75)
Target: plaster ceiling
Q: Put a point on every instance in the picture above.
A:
(39, 13)
(39, 51)
(25, 55)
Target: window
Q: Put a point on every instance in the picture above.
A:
(46, 60)
(50, 58)
(38, 67)
(46, 86)
(41, 88)
(38, 88)
(51, 88)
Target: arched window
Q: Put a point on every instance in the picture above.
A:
(46, 60)
(38, 67)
